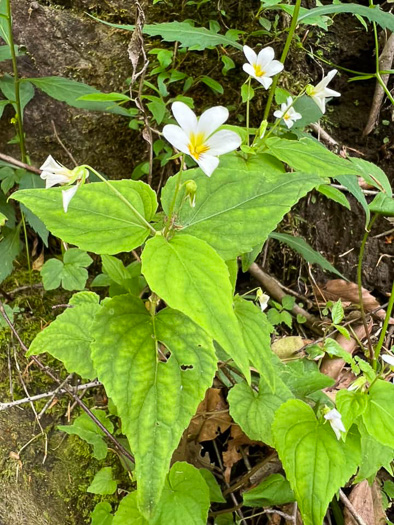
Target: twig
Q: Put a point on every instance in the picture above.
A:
(67, 389)
(58, 392)
(47, 404)
(19, 163)
(62, 145)
(366, 192)
(323, 134)
(275, 291)
(358, 519)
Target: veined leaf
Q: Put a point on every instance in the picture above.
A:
(71, 272)
(7, 86)
(70, 91)
(215, 494)
(275, 490)
(373, 175)
(10, 247)
(334, 194)
(374, 455)
(191, 277)
(96, 220)
(302, 247)
(155, 398)
(3, 219)
(103, 482)
(198, 38)
(241, 204)
(383, 205)
(5, 52)
(315, 462)
(379, 413)
(28, 181)
(68, 338)
(351, 405)
(303, 377)
(128, 512)
(101, 514)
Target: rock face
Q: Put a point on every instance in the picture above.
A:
(62, 40)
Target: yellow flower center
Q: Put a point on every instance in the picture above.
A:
(197, 145)
(258, 71)
(286, 116)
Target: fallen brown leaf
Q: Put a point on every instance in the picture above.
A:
(367, 504)
(39, 262)
(212, 417)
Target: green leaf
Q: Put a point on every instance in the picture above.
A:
(3, 219)
(308, 109)
(379, 413)
(351, 405)
(68, 338)
(315, 462)
(303, 377)
(334, 194)
(215, 494)
(383, 205)
(103, 482)
(256, 332)
(155, 398)
(157, 107)
(274, 490)
(228, 64)
(247, 92)
(128, 512)
(197, 38)
(26, 91)
(374, 455)
(71, 273)
(27, 181)
(337, 312)
(232, 266)
(373, 175)
(70, 91)
(191, 277)
(241, 204)
(101, 514)
(288, 302)
(213, 84)
(333, 348)
(185, 497)
(97, 220)
(255, 411)
(302, 247)
(86, 429)
(107, 97)
(8, 210)
(10, 248)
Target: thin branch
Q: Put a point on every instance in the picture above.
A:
(62, 145)
(19, 163)
(357, 518)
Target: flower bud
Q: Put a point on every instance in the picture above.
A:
(191, 190)
(263, 128)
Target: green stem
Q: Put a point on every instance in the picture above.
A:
(122, 198)
(385, 325)
(283, 57)
(26, 245)
(19, 114)
(384, 87)
(248, 112)
(360, 284)
(174, 197)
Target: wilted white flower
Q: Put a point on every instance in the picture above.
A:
(335, 420)
(196, 136)
(320, 92)
(389, 359)
(262, 66)
(288, 113)
(54, 173)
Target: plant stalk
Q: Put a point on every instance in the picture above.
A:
(385, 325)
(176, 191)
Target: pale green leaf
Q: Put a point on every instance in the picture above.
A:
(379, 413)
(255, 411)
(101, 514)
(241, 204)
(155, 398)
(106, 97)
(337, 312)
(103, 482)
(232, 266)
(333, 348)
(128, 512)
(373, 175)
(10, 248)
(71, 273)
(351, 405)
(303, 377)
(26, 91)
(70, 91)
(317, 465)
(96, 220)
(30, 180)
(213, 84)
(115, 269)
(274, 490)
(383, 205)
(5, 52)
(215, 494)
(191, 277)
(334, 194)
(374, 455)
(3, 219)
(68, 338)
(8, 210)
(85, 428)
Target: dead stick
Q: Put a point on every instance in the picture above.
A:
(275, 291)
(358, 519)
(20, 164)
(68, 389)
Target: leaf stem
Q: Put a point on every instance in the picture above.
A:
(122, 198)
(248, 111)
(385, 325)
(174, 197)
(283, 57)
(360, 284)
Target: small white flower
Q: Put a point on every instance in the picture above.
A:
(335, 420)
(389, 359)
(262, 66)
(262, 299)
(54, 173)
(320, 92)
(287, 113)
(196, 136)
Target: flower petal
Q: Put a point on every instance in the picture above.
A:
(289, 122)
(223, 142)
(208, 164)
(68, 195)
(211, 120)
(250, 55)
(273, 68)
(278, 113)
(326, 80)
(321, 102)
(389, 359)
(330, 93)
(265, 81)
(265, 56)
(185, 117)
(177, 137)
(50, 164)
(249, 70)
(54, 178)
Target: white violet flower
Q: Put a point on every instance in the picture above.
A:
(196, 136)
(389, 359)
(262, 66)
(335, 420)
(262, 298)
(288, 113)
(320, 92)
(54, 173)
